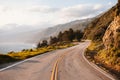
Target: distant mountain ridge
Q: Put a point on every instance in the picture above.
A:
(34, 36)
(53, 31)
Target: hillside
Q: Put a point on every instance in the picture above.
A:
(105, 35)
(97, 27)
(34, 36)
(53, 31)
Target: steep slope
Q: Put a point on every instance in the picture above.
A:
(112, 34)
(105, 35)
(97, 27)
(110, 54)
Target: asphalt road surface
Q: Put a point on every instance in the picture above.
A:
(64, 64)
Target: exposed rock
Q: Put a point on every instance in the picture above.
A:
(98, 26)
(106, 28)
(112, 34)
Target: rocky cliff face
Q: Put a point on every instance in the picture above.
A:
(105, 34)
(97, 28)
(111, 38)
(112, 35)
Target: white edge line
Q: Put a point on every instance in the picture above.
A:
(14, 64)
(97, 67)
(17, 63)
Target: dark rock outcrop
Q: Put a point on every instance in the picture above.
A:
(112, 35)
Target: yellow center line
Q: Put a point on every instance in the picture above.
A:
(54, 74)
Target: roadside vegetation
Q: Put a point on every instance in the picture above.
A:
(24, 54)
(63, 40)
(109, 60)
(104, 32)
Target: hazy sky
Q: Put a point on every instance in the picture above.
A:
(45, 13)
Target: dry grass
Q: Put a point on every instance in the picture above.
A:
(107, 59)
(24, 54)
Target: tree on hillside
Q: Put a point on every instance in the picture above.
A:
(65, 36)
(79, 35)
(44, 43)
(39, 45)
(71, 34)
(53, 40)
(60, 36)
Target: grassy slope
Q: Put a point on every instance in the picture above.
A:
(96, 52)
(103, 58)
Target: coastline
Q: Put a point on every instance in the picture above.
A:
(16, 47)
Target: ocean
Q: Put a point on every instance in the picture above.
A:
(8, 47)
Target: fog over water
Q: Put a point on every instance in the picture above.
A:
(8, 47)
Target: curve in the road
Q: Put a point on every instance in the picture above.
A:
(66, 64)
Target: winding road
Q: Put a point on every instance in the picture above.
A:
(64, 64)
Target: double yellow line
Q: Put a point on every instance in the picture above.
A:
(54, 75)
